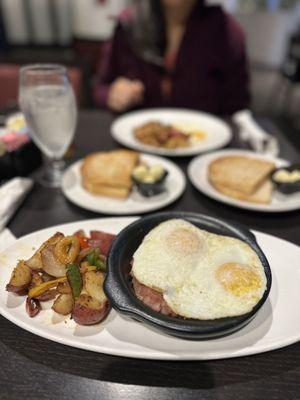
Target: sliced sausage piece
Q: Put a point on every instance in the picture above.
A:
(151, 298)
(102, 240)
(79, 233)
(89, 311)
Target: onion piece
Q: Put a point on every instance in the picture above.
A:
(67, 249)
(51, 264)
(35, 262)
(82, 254)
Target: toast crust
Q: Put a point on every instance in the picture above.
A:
(109, 191)
(261, 196)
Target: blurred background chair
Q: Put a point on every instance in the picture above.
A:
(9, 79)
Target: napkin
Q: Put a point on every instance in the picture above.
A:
(250, 131)
(12, 194)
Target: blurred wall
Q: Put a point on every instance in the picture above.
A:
(268, 34)
(94, 19)
(267, 27)
(41, 22)
(62, 14)
(15, 21)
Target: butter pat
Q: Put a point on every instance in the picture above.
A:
(284, 176)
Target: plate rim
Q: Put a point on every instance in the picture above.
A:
(117, 212)
(189, 152)
(227, 200)
(156, 355)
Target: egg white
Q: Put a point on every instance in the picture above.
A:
(181, 261)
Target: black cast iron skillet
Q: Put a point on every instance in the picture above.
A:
(118, 287)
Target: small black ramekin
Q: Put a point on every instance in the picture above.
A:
(151, 189)
(287, 187)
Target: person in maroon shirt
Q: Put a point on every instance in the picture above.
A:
(175, 53)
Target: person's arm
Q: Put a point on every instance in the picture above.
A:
(235, 94)
(114, 87)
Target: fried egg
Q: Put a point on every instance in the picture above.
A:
(201, 275)
(191, 130)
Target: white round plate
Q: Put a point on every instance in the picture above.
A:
(135, 203)
(276, 325)
(218, 133)
(198, 175)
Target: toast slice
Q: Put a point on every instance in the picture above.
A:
(109, 173)
(262, 195)
(239, 173)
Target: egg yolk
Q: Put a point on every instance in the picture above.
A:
(184, 242)
(199, 135)
(238, 279)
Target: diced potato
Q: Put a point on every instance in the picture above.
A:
(20, 279)
(63, 304)
(64, 288)
(36, 279)
(93, 284)
(85, 267)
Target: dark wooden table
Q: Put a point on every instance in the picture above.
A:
(35, 368)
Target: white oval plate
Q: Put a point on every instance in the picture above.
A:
(276, 325)
(218, 133)
(135, 203)
(198, 175)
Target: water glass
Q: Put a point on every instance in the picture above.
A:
(47, 101)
